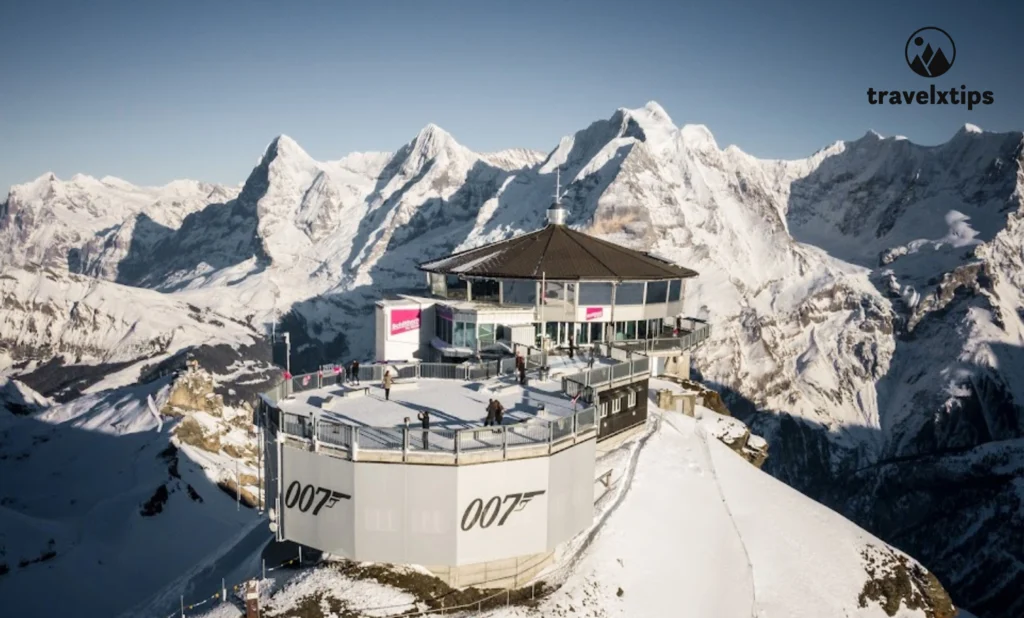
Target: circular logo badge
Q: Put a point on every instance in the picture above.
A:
(930, 52)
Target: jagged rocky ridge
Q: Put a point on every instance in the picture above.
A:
(866, 301)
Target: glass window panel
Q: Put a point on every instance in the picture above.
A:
(673, 289)
(485, 290)
(551, 329)
(657, 291)
(519, 292)
(556, 293)
(596, 328)
(629, 294)
(437, 285)
(595, 293)
(485, 332)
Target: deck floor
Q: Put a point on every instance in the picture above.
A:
(452, 404)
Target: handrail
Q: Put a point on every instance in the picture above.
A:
(406, 439)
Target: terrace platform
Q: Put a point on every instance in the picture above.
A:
(452, 404)
(539, 417)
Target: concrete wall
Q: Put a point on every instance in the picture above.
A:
(525, 335)
(433, 514)
(678, 366)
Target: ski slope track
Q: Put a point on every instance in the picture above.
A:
(866, 301)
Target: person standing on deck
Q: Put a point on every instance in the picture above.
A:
(355, 372)
(572, 346)
(499, 412)
(590, 361)
(424, 417)
(490, 414)
(386, 383)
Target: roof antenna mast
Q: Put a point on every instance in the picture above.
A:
(556, 213)
(558, 184)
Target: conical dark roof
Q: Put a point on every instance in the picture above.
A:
(560, 253)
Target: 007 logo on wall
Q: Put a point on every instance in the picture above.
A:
(303, 496)
(484, 514)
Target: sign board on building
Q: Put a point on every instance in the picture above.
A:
(594, 313)
(404, 320)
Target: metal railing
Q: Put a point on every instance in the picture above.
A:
(441, 440)
(585, 382)
(700, 331)
(402, 371)
(296, 425)
(335, 434)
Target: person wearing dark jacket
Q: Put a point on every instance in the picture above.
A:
(355, 372)
(490, 414)
(572, 347)
(424, 417)
(499, 412)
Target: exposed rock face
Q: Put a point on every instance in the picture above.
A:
(193, 390)
(896, 582)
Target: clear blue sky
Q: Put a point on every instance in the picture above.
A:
(153, 91)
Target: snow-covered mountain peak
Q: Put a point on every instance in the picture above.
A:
(432, 141)
(515, 158)
(971, 128)
(697, 136)
(44, 186)
(649, 116)
(284, 147)
(657, 111)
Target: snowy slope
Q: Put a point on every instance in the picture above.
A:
(866, 300)
(97, 503)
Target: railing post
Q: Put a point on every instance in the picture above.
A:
(458, 444)
(551, 435)
(504, 442)
(405, 440)
(353, 444)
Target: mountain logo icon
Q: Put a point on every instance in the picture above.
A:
(930, 52)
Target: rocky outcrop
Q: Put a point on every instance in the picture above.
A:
(894, 581)
(193, 390)
(730, 431)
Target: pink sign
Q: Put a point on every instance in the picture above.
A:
(594, 313)
(404, 320)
